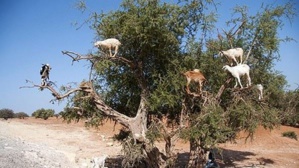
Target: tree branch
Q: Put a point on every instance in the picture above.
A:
(54, 92)
(229, 35)
(222, 88)
(94, 58)
(251, 47)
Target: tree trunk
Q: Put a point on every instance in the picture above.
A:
(155, 159)
(196, 159)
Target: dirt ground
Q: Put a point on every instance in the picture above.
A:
(79, 144)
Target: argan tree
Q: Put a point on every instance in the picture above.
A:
(142, 84)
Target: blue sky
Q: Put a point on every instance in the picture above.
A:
(34, 32)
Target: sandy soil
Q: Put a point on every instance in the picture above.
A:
(75, 145)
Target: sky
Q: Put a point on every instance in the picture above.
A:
(34, 32)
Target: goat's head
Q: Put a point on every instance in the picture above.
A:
(48, 67)
(225, 67)
(259, 87)
(98, 43)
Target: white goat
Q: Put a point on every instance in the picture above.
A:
(238, 71)
(260, 89)
(195, 76)
(232, 55)
(109, 43)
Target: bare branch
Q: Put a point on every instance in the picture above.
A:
(54, 92)
(238, 29)
(251, 47)
(222, 88)
(76, 57)
(230, 35)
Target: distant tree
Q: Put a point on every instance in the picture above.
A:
(6, 113)
(21, 115)
(289, 108)
(43, 113)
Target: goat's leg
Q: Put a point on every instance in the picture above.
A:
(261, 95)
(241, 59)
(187, 85)
(238, 81)
(115, 51)
(236, 84)
(187, 89)
(249, 80)
(234, 58)
(43, 83)
(110, 51)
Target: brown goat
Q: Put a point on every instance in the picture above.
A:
(195, 76)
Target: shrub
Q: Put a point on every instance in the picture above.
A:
(21, 115)
(6, 113)
(290, 134)
(43, 113)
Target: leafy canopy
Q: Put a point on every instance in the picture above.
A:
(166, 39)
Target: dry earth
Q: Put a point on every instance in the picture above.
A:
(53, 143)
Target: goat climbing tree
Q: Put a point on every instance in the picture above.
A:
(143, 83)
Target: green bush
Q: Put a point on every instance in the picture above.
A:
(290, 134)
(6, 113)
(43, 113)
(21, 115)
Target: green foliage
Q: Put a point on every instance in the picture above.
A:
(133, 154)
(290, 134)
(289, 108)
(43, 113)
(81, 106)
(166, 39)
(248, 115)
(151, 33)
(21, 115)
(154, 132)
(6, 113)
(209, 126)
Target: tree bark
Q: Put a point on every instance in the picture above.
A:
(196, 159)
(222, 88)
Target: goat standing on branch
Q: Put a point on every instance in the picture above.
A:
(232, 55)
(109, 44)
(195, 76)
(238, 71)
(45, 73)
(259, 89)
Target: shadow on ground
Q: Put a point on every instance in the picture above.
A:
(228, 158)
